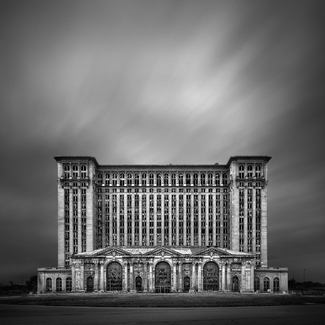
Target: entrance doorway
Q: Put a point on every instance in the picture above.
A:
(211, 276)
(187, 284)
(138, 283)
(114, 277)
(90, 284)
(163, 278)
(235, 284)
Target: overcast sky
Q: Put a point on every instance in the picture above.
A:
(159, 82)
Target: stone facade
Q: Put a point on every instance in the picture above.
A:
(162, 228)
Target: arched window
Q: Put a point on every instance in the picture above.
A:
(114, 179)
(196, 179)
(188, 179)
(166, 180)
(136, 179)
(241, 171)
(258, 171)
(114, 277)
(66, 171)
(58, 284)
(224, 179)
(249, 171)
(158, 179)
(48, 285)
(276, 285)
(211, 276)
(144, 179)
(210, 179)
(151, 179)
(217, 179)
(266, 284)
(83, 171)
(107, 179)
(122, 179)
(129, 179)
(256, 284)
(180, 179)
(75, 171)
(163, 277)
(173, 179)
(202, 179)
(68, 284)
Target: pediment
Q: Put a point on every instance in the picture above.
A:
(113, 251)
(162, 251)
(213, 251)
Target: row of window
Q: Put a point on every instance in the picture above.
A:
(157, 179)
(266, 284)
(58, 285)
(250, 172)
(74, 171)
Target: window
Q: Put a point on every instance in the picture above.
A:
(122, 179)
(75, 171)
(256, 284)
(68, 284)
(224, 179)
(258, 171)
(129, 179)
(173, 179)
(180, 180)
(48, 285)
(202, 179)
(151, 179)
(241, 171)
(217, 179)
(66, 171)
(58, 284)
(166, 181)
(210, 178)
(136, 179)
(158, 179)
(107, 179)
(188, 179)
(144, 179)
(276, 285)
(266, 284)
(249, 171)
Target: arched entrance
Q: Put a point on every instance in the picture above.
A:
(187, 284)
(235, 284)
(211, 276)
(90, 284)
(114, 277)
(163, 278)
(138, 283)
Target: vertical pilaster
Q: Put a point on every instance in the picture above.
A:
(199, 276)
(102, 289)
(125, 288)
(180, 277)
(223, 277)
(193, 276)
(174, 289)
(96, 277)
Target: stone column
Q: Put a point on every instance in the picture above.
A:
(180, 277)
(150, 277)
(199, 277)
(223, 277)
(174, 289)
(252, 278)
(228, 277)
(82, 276)
(73, 276)
(242, 284)
(145, 280)
(102, 276)
(125, 277)
(131, 276)
(96, 277)
(193, 276)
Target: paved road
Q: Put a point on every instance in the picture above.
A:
(286, 315)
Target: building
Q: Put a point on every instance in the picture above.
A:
(162, 228)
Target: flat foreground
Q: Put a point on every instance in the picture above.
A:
(266, 315)
(163, 300)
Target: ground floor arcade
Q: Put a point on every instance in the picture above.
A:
(162, 270)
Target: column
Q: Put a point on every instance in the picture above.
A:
(193, 276)
(169, 219)
(174, 289)
(214, 219)
(133, 216)
(180, 277)
(155, 219)
(79, 220)
(199, 277)
(102, 276)
(223, 277)
(131, 276)
(73, 276)
(242, 285)
(150, 277)
(125, 277)
(245, 219)
(145, 278)
(82, 276)
(252, 277)
(228, 277)
(96, 277)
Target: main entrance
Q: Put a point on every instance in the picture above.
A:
(163, 278)
(211, 276)
(138, 283)
(114, 277)
(90, 284)
(187, 284)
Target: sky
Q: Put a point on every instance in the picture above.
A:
(159, 82)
